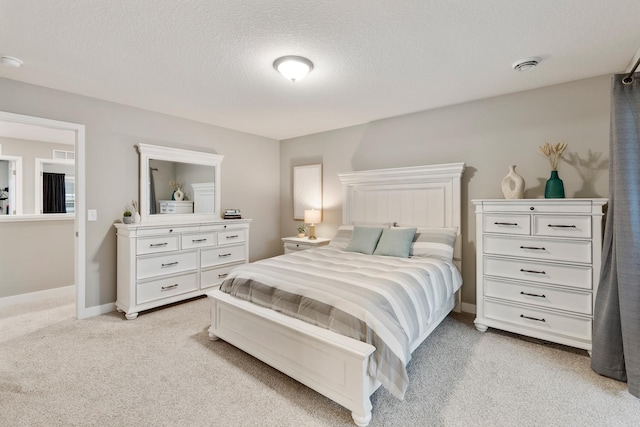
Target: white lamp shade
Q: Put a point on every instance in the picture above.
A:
(313, 216)
(293, 68)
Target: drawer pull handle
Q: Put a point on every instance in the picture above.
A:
(223, 255)
(198, 240)
(166, 288)
(533, 295)
(532, 318)
(506, 223)
(561, 226)
(222, 276)
(170, 264)
(533, 247)
(157, 245)
(235, 236)
(532, 271)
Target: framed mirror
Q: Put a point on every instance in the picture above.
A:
(178, 185)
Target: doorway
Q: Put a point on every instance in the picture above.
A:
(41, 129)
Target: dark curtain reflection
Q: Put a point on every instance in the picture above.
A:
(53, 193)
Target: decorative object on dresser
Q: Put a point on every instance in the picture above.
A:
(301, 231)
(127, 215)
(538, 266)
(232, 214)
(293, 244)
(554, 188)
(513, 184)
(159, 265)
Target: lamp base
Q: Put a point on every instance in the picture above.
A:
(312, 232)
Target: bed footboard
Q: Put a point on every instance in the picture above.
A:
(329, 363)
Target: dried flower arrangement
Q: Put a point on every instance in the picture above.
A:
(553, 153)
(175, 185)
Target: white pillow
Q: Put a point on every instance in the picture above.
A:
(434, 243)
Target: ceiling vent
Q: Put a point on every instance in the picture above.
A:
(525, 64)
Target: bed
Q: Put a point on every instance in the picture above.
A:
(345, 369)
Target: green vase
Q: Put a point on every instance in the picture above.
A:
(554, 188)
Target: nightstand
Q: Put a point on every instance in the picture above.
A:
(293, 244)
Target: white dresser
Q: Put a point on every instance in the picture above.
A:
(538, 266)
(163, 264)
(293, 244)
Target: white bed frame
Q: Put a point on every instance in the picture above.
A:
(329, 363)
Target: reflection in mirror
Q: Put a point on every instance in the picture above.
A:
(177, 183)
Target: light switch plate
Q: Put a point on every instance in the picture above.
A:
(92, 215)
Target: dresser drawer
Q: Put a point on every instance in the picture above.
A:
(225, 255)
(159, 265)
(166, 287)
(165, 230)
(539, 205)
(539, 319)
(198, 240)
(511, 224)
(541, 296)
(215, 276)
(152, 245)
(231, 236)
(530, 271)
(528, 247)
(562, 226)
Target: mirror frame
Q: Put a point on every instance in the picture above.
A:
(154, 152)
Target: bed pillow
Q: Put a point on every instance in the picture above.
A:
(395, 242)
(342, 238)
(434, 242)
(364, 239)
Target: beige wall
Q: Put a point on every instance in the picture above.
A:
(488, 135)
(250, 172)
(35, 256)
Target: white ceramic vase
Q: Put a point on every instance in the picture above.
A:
(178, 195)
(513, 185)
(136, 217)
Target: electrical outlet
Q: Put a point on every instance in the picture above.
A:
(92, 215)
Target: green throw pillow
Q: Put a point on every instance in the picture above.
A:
(395, 242)
(364, 239)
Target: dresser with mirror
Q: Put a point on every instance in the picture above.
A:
(181, 248)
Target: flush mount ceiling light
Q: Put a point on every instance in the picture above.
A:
(293, 68)
(526, 64)
(10, 61)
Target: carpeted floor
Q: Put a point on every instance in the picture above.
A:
(162, 370)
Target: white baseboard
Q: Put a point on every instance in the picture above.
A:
(468, 308)
(97, 310)
(64, 291)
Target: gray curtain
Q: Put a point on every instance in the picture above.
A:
(616, 329)
(53, 193)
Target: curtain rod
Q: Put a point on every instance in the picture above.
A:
(628, 78)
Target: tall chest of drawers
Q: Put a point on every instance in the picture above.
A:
(163, 264)
(538, 266)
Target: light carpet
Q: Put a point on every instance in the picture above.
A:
(162, 370)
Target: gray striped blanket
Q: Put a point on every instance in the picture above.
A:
(387, 302)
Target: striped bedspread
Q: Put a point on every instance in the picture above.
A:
(387, 302)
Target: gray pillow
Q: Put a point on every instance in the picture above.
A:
(364, 239)
(395, 242)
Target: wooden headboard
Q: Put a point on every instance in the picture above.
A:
(419, 196)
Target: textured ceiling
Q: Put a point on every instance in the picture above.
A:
(211, 60)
